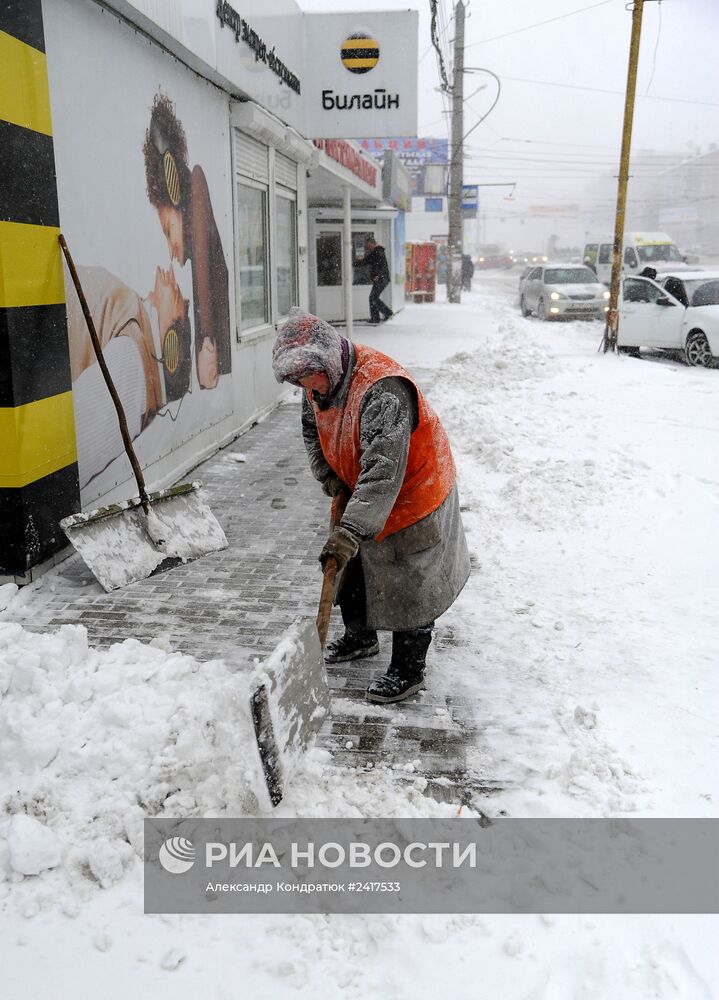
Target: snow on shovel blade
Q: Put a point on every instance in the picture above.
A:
(121, 545)
(289, 702)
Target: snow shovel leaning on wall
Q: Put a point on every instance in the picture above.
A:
(127, 541)
(291, 697)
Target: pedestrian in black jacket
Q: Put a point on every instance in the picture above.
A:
(467, 272)
(376, 259)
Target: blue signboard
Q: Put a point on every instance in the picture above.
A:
(470, 200)
(433, 204)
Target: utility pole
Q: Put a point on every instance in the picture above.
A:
(609, 343)
(456, 167)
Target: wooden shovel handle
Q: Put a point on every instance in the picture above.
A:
(127, 440)
(330, 573)
(326, 600)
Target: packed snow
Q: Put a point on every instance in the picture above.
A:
(587, 634)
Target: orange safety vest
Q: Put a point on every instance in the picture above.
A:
(430, 472)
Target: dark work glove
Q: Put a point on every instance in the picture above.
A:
(333, 485)
(342, 546)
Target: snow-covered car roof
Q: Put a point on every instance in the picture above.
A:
(695, 275)
(564, 265)
(666, 267)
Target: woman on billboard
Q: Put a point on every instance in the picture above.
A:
(181, 198)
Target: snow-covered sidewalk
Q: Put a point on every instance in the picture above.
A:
(586, 635)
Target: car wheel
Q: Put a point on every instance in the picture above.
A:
(542, 311)
(697, 352)
(522, 307)
(633, 352)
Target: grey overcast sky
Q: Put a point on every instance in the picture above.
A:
(557, 121)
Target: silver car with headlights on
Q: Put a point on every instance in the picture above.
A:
(569, 291)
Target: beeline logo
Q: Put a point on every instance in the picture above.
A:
(177, 855)
(359, 53)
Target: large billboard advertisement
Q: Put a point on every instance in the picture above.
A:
(144, 205)
(415, 154)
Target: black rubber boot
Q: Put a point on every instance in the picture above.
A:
(352, 646)
(405, 675)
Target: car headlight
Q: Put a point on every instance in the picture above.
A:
(555, 295)
(605, 294)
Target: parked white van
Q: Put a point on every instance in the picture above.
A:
(640, 250)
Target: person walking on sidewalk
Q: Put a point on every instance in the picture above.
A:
(376, 259)
(400, 544)
(467, 272)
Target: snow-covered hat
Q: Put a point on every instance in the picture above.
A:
(307, 345)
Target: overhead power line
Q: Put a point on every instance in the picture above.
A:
(538, 24)
(656, 46)
(435, 42)
(601, 90)
(479, 69)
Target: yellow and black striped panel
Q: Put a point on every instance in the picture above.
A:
(38, 457)
(30, 519)
(23, 193)
(360, 53)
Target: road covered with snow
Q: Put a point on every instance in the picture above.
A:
(587, 634)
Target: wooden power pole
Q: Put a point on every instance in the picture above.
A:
(456, 167)
(609, 342)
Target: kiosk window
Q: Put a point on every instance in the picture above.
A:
(329, 259)
(359, 249)
(286, 254)
(252, 253)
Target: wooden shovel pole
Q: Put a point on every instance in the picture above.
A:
(127, 440)
(330, 575)
(326, 599)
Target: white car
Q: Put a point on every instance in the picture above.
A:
(562, 290)
(677, 312)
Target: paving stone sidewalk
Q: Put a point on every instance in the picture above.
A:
(276, 517)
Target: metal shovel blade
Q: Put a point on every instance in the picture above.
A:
(121, 545)
(289, 702)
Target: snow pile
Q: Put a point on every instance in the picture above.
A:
(543, 471)
(91, 742)
(8, 593)
(31, 847)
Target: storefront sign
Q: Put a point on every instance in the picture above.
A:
(361, 74)
(396, 183)
(227, 15)
(350, 158)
